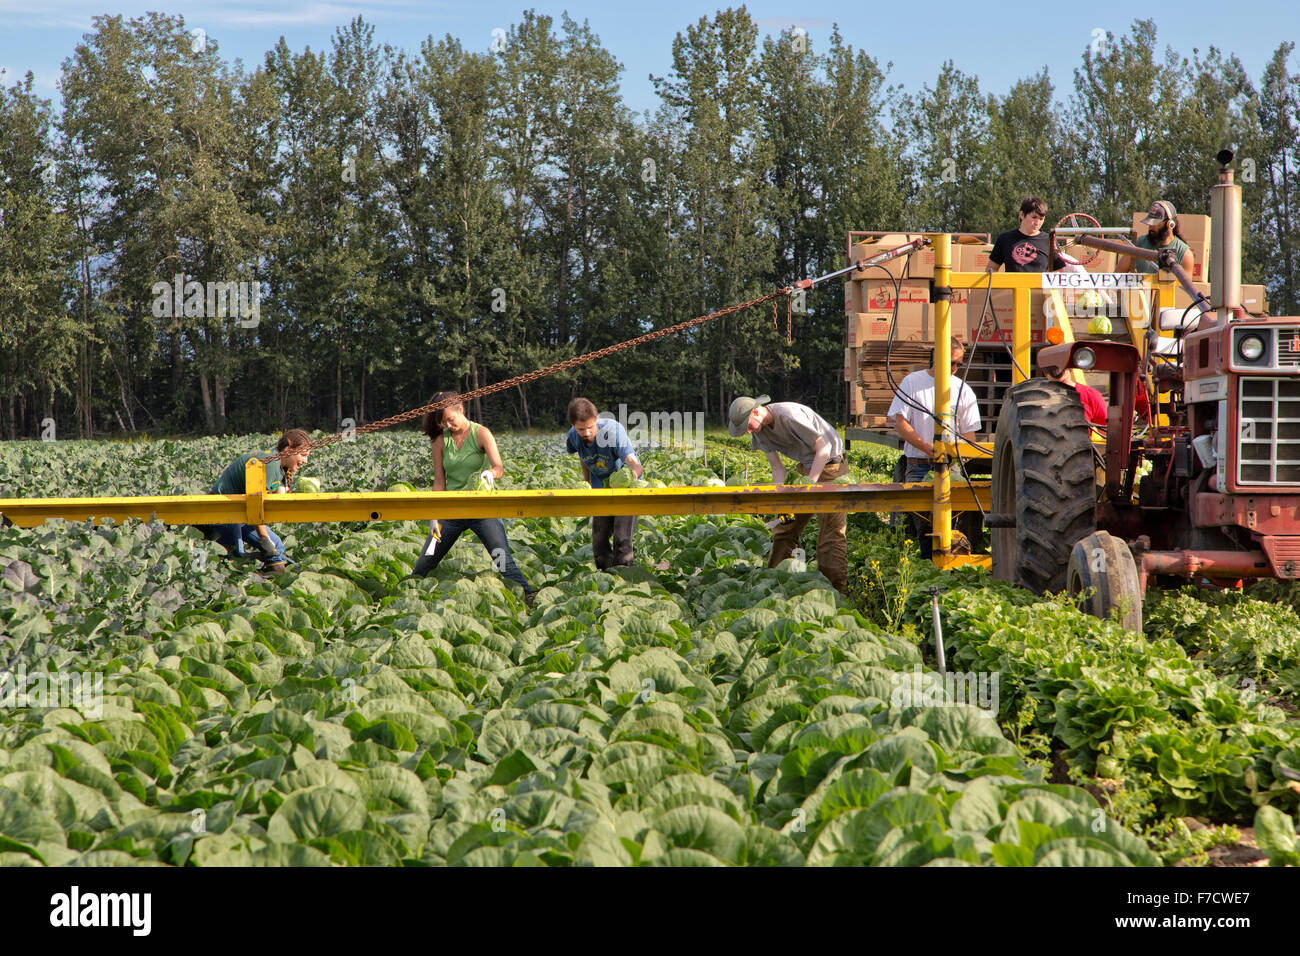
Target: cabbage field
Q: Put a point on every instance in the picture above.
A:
(163, 704)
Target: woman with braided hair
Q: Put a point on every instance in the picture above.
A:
(462, 451)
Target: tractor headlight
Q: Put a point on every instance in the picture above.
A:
(1085, 358)
(1250, 347)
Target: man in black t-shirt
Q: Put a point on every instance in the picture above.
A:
(1028, 248)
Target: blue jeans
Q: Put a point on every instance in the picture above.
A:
(917, 470)
(490, 531)
(241, 539)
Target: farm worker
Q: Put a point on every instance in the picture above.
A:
(603, 447)
(799, 433)
(1026, 248)
(1162, 233)
(1094, 404)
(462, 451)
(912, 412)
(295, 448)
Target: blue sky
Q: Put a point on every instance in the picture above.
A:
(917, 37)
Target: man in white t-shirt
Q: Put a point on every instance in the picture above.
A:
(910, 412)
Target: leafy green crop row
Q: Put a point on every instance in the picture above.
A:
(346, 713)
(1182, 718)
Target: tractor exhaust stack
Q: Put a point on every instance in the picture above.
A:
(1225, 241)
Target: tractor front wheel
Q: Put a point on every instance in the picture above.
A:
(1103, 566)
(1043, 474)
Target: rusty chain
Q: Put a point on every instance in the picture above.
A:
(561, 366)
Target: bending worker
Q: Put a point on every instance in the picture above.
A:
(295, 448)
(799, 433)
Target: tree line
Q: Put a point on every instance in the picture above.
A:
(193, 246)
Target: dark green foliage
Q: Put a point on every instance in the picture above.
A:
(446, 217)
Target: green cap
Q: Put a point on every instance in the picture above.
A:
(738, 414)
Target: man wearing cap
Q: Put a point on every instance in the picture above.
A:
(799, 433)
(1162, 232)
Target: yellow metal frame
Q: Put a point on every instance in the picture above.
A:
(261, 508)
(1161, 284)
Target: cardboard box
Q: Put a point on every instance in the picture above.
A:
(920, 265)
(1195, 229)
(1201, 261)
(971, 256)
(1105, 262)
(915, 323)
(1002, 305)
(855, 401)
(1182, 300)
(958, 313)
(876, 376)
(1253, 299)
(850, 364)
(880, 294)
(865, 401)
(864, 327)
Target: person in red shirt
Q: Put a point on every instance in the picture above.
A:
(1094, 405)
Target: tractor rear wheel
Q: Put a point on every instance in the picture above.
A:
(1104, 565)
(1043, 474)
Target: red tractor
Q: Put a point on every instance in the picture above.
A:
(1221, 499)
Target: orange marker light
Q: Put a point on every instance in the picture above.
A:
(1055, 336)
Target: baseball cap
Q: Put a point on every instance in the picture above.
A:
(1160, 211)
(738, 414)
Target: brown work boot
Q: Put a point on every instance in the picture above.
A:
(276, 567)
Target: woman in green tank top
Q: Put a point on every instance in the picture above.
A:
(463, 450)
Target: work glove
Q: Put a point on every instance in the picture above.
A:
(267, 547)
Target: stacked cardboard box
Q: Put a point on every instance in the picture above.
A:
(919, 265)
(971, 256)
(874, 391)
(1104, 262)
(881, 294)
(981, 327)
(1182, 300)
(1254, 300)
(915, 324)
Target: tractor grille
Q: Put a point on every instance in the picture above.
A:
(1288, 347)
(1268, 452)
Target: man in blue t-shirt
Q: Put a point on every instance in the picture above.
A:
(603, 447)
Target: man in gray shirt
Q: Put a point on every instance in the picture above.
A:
(799, 433)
